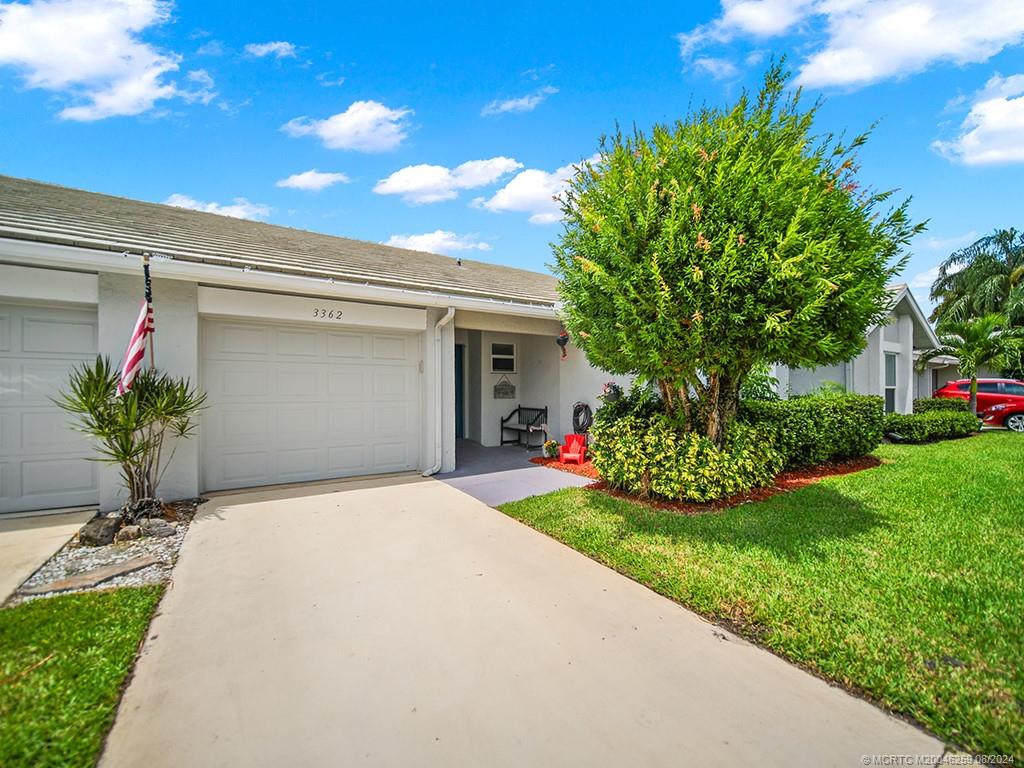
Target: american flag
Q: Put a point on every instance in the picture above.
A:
(136, 351)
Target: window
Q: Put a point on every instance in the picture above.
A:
(964, 386)
(989, 387)
(1013, 389)
(890, 382)
(503, 358)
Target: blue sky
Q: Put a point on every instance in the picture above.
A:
(446, 126)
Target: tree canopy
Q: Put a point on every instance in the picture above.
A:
(733, 238)
(987, 276)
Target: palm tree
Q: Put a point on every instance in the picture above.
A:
(988, 340)
(986, 276)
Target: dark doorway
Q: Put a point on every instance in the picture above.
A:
(460, 411)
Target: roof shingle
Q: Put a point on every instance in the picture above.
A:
(32, 210)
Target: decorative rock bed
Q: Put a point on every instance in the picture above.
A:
(76, 566)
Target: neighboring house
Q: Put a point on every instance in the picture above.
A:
(888, 365)
(322, 357)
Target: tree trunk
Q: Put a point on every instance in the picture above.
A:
(972, 400)
(721, 408)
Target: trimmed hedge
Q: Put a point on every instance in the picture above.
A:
(931, 425)
(812, 429)
(945, 404)
(649, 455)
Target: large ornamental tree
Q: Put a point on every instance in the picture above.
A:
(732, 239)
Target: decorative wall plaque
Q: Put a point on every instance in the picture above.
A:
(504, 389)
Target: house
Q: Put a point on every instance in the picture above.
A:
(888, 365)
(322, 357)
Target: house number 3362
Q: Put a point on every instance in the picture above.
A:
(326, 314)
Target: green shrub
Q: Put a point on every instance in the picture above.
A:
(931, 404)
(931, 425)
(651, 455)
(816, 428)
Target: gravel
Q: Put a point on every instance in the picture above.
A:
(73, 559)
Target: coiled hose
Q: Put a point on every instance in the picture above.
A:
(582, 418)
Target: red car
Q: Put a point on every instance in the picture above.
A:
(1000, 401)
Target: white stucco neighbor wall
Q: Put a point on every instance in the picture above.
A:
(176, 317)
(581, 382)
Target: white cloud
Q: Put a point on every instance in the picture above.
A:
(434, 183)
(313, 180)
(951, 243)
(993, 131)
(211, 48)
(329, 81)
(534, 192)
(279, 49)
(526, 103)
(91, 52)
(204, 91)
(439, 241)
(366, 126)
(924, 279)
(718, 68)
(858, 42)
(240, 208)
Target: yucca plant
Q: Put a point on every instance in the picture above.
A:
(131, 430)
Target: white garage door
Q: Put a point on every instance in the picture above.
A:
(290, 403)
(42, 460)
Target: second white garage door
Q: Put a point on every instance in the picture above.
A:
(291, 403)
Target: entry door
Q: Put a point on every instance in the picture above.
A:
(43, 462)
(291, 403)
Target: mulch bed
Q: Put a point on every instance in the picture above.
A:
(586, 469)
(790, 480)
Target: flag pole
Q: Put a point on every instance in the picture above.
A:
(149, 307)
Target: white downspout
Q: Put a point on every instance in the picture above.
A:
(438, 392)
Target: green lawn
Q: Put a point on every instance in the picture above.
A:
(905, 581)
(63, 661)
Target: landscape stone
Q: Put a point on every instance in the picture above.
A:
(99, 531)
(156, 527)
(128, 533)
(93, 577)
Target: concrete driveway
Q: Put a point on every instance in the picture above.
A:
(400, 622)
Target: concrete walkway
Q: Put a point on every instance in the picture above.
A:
(498, 475)
(28, 542)
(402, 623)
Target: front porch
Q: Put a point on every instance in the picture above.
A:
(500, 474)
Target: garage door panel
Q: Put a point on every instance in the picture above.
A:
(299, 381)
(348, 424)
(45, 463)
(391, 348)
(391, 456)
(391, 420)
(350, 346)
(347, 459)
(298, 424)
(333, 402)
(52, 335)
(347, 384)
(234, 424)
(239, 468)
(294, 343)
(42, 477)
(241, 340)
(393, 384)
(44, 430)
